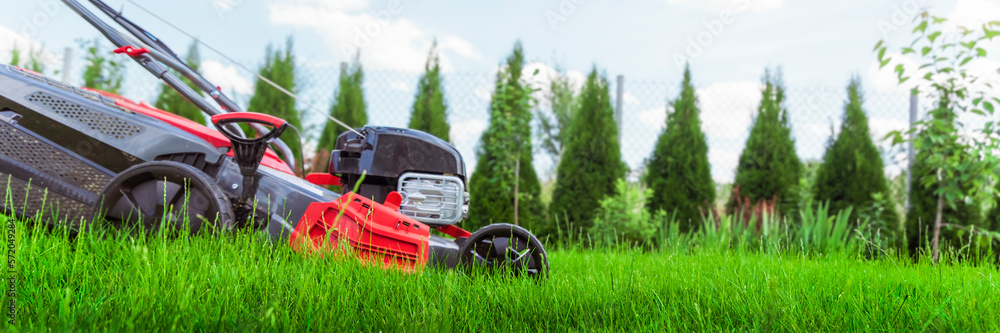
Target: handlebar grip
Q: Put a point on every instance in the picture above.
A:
(278, 125)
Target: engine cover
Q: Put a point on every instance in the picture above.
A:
(386, 154)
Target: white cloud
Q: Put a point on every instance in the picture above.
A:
(9, 39)
(227, 77)
(973, 13)
(727, 108)
(399, 86)
(724, 163)
(733, 6)
(384, 39)
(654, 118)
(630, 99)
(467, 131)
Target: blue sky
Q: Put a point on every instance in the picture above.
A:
(819, 44)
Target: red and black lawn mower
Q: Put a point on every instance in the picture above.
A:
(70, 155)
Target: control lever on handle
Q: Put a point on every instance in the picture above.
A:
(249, 152)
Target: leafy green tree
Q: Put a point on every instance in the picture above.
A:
(923, 209)
(15, 56)
(678, 173)
(622, 218)
(768, 166)
(430, 114)
(959, 167)
(553, 128)
(592, 162)
(279, 67)
(852, 172)
(169, 100)
(504, 170)
(101, 73)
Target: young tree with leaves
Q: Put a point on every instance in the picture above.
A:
(769, 166)
(505, 176)
(279, 67)
(430, 114)
(959, 167)
(171, 101)
(678, 173)
(102, 73)
(554, 128)
(852, 173)
(592, 161)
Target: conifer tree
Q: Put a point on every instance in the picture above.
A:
(768, 166)
(852, 171)
(505, 146)
(679, 172)
(279, 67)
(591, 162)
(169, 100)
(349, 106)
(429, 110)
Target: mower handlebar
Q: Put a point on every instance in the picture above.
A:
(278, 125)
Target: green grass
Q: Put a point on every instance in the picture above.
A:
(240, 282)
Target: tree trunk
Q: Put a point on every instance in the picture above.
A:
(937, 228)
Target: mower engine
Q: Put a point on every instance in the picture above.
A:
(427, 172)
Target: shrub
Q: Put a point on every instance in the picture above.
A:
(592, 161)
(768, 165)
(101, 73)
(504, 145)
(171, 101)
(429, 109)
(852, 173)
(678, 173)
(623, 218)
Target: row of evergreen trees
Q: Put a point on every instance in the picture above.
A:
(583, 139)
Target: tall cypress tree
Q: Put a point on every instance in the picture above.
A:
(768, 166)
(429, 109)
(592, 161)
(504, 145)
(349, 105)
(279, 67)
(169, 100)
(678, 172)
(852, 171)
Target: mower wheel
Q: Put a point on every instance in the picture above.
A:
(503, 246)
(152, 195)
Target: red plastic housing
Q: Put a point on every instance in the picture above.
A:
(378, 234)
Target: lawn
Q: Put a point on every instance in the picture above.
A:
(240, 282)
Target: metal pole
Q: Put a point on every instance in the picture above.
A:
(619, 104)
(343, 67)
(910, 155)
(67, 64)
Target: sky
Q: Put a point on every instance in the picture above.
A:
(819, 45)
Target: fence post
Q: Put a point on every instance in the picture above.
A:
(619, 104)
(909, 147)
(67, 64)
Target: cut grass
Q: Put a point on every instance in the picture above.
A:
(240, 282)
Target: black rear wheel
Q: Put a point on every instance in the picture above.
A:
(164, 194)
(505, 247)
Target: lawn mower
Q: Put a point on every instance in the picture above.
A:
(71, 156)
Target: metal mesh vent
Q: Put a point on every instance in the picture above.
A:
(20, 197)
(108, 125)
(432, 199)
(21, 147)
